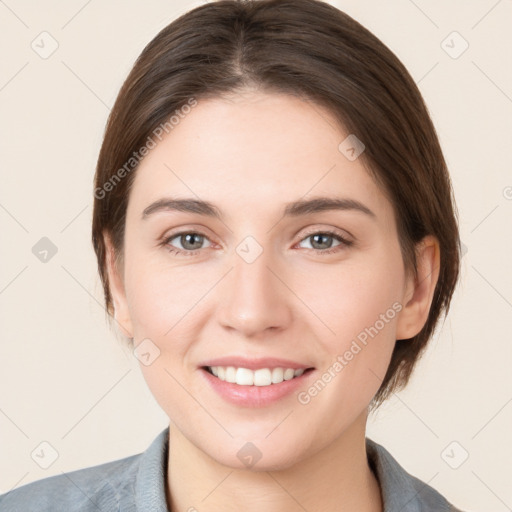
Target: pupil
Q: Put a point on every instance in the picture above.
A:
(322, 236)
(187, 240)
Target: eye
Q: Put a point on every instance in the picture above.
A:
(190, 242)
(322, 240)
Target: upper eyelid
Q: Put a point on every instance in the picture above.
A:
(332, 231)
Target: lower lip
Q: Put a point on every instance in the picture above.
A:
(255, 396)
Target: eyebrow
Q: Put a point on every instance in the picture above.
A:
(293, 209)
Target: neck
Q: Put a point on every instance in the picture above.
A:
(337, 478)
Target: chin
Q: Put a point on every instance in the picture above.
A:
(259, 455)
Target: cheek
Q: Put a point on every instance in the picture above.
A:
(165, 306)
(352, 296)
(358, 305)
(162, 297)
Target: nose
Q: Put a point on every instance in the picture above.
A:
(254, 297)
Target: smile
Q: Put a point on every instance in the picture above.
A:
(259, 377)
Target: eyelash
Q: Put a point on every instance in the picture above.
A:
(343, 242)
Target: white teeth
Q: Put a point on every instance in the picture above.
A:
(277, 375)
(260, 377)
(288, 374)
(244, 377)
(230, 374)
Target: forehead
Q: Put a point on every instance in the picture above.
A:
(249, 151)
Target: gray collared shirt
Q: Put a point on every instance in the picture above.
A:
(137, 483)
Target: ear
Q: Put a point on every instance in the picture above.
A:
(419, 291)
(117, 290)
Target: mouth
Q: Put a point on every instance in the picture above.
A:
(255, 381)
(261, 377)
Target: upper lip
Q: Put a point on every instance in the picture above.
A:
(256, 363)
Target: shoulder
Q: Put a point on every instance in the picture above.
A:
(401, 490)
(94, 488)
(126, 485)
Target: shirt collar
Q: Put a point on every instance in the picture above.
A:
(395, 483)
(151, 478)
(399, 490)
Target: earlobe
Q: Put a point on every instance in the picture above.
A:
(117, 291)
(419, 290)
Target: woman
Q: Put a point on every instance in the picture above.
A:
(277, 238)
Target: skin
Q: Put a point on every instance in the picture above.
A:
(249, 154)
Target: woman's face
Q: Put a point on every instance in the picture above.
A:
(259, 288)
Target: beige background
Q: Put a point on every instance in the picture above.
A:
(65, 378)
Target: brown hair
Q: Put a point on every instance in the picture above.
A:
(310, 49)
